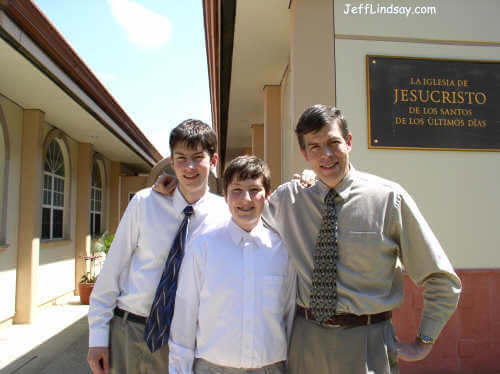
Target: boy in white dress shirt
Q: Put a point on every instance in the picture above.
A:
(235, 299)
(123, 295)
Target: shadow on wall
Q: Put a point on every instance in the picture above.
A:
(50, 255)
(8, 259)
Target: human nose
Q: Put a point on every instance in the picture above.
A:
(246, 195)
(326, 151)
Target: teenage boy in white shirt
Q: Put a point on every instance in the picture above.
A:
(235, 300)
(124, 293)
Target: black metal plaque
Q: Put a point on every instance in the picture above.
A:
(433, 104)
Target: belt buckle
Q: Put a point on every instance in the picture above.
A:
(330, 325)
(125, 317)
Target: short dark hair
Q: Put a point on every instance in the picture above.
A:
(247, 167)
(317, 116)
(193, 132)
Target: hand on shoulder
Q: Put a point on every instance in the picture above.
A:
(165, 184)
(307, 178)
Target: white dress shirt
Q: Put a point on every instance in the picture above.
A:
(137, 257)
(235, 300)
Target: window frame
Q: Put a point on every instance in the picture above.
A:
(57, 136)
(94, 191)
(54, 192)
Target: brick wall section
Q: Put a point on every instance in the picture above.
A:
(470, 342)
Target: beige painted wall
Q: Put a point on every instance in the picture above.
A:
(258, 146)
(463, 20)
(3, 177)
(114, 195)
(56, 259)
(130, 184)
(456, 191)
(287, 126)
(312, 74)
(106, 195)
(56, 272)
(272, 132)
(57, 265)
(8, 257)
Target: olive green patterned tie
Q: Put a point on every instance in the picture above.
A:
(324, 278)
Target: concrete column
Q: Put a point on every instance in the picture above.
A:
(29, 217)
(130, 184)
(114, 196)
(272, 132)
(312, 69)
(82, 236)
(258, 139)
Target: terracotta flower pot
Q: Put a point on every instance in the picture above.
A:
(85, 290)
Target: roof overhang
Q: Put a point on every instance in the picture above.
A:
(253, 51)
(40, 70)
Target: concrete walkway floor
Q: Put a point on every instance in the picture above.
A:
(55, 344)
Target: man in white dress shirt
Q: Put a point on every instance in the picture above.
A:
(235, 300)
(123, 295)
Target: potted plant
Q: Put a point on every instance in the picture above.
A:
(98, 250)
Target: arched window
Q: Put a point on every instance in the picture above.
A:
(53, 192)
(96, 201)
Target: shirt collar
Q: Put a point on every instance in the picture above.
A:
(343, 188)
(180, 203)
(259, 234)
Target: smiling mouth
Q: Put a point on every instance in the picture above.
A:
(191, 177)
(246, 210)
(330, 165)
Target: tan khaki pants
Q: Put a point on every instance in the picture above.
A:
(130, 353)
(204, 367)
(335, 350)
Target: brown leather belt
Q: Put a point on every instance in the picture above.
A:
(346, 320)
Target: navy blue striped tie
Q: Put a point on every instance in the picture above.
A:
(158, 324)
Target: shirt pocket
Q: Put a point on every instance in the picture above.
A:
(272, 299)
(360, 251)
